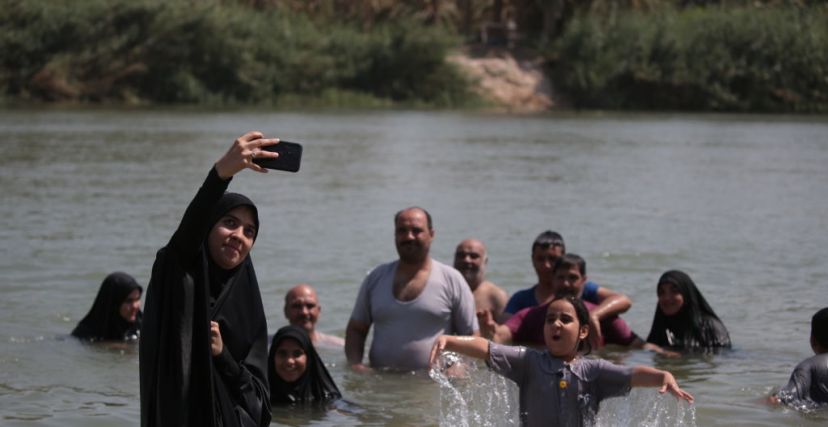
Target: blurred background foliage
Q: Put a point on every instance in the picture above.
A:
(724, 55)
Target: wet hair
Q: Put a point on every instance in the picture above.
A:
(428, 215)
(548, 239)
(568, 261)
(582, 313)
(819, 327)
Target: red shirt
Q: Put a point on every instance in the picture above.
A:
(527, 327)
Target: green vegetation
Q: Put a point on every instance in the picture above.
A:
(213, 53)
(714, 58)
(702, 55)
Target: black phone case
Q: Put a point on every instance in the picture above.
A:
(290, 157)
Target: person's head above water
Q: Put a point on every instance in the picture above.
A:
(546, 249)
(295, 371)
(569, 275)
(116, 312)
(683, 318)
(302, 307)
(470, 259)
(235, 225)
(677, 294)
(413, 234)
(819, 331)
(566, 327)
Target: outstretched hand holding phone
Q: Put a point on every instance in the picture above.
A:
(244, 150)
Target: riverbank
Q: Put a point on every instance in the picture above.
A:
(506, 79)
(226, 55)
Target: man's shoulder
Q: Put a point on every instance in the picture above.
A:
(325, 340)
(490, 287)
(447, 273)
(817, 361)
(382, 269)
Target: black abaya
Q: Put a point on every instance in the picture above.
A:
(314, 386)
(695, 326)
(104, 321)
(182, 384)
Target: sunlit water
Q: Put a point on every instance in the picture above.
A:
(739, 202)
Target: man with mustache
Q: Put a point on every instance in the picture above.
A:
(470, 259)
(410, 302)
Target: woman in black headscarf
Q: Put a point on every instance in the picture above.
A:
(295, 371)
(683, 318)
(203, 350)
(116, 313)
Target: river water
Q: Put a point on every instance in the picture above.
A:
(739, 202)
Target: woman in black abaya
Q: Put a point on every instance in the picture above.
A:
(295, 371)
(683, 318)
(116, 313)
(203, 350)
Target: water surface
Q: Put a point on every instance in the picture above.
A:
(738, 202)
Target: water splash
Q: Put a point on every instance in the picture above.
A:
(648, 408)
(472, 395)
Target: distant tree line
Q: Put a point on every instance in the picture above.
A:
(720, 55)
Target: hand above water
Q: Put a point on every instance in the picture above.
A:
(241, 154)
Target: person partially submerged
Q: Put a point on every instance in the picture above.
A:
(807, 388)
(203, 349)
(116, 313)
(683, 319)
(295, 371)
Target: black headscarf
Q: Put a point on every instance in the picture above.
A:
(315, 385)
(182, 384)
(695, 326)
(104, 321)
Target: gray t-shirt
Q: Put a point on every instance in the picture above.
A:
(808, 384)
(404, 331)
(554, 393)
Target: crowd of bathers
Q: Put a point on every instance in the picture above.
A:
(203, 339)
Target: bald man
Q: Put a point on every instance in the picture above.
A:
(470, 259)
(302, 309)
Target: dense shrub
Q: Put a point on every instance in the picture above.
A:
(773, 59)
(214, 53)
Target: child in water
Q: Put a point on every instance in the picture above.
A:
(808, 386)
(295, 371)
(557, 387)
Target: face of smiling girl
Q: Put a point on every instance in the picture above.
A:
(562, 331)
(670, 299)
(290, 360)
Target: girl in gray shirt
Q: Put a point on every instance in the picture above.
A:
(557, 386)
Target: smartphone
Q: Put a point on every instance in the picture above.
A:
(290, 157)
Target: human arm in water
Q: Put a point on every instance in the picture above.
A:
(645, 376)
(355, 335)
(610, 303)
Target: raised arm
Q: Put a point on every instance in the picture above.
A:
(355, 335)
(470, 346)
(491, 330)
(195, 225)
(645, 376)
